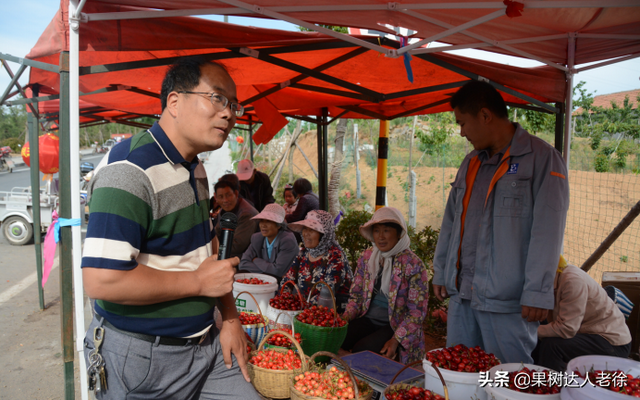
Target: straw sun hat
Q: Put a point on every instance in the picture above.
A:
(312, 221)
(272, 212)
(383, 215)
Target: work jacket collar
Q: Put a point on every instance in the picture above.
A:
(521, 142)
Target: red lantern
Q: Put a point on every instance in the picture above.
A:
(49, 146)
(239, 139)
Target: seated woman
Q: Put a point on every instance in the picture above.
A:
(390, 292)
(290, 200)
(273, 249)
(321, 259)
(584, 321)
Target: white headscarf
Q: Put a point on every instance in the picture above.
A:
(378, 258)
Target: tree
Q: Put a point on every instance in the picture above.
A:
(617, 126)
(340, 29)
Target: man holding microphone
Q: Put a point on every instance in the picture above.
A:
(148, 259)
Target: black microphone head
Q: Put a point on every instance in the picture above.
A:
(228, 221)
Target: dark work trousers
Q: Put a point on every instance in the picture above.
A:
(362, 334)
(556, 352)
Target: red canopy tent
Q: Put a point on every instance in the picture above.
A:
(296, 73)
(300, 73)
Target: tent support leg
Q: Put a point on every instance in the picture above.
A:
(323, 192)
(383, 152)
(559, 127)
(32, 123)
(251, 137)
(571, 53)
(66, 261)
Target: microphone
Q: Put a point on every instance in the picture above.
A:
(228, 223)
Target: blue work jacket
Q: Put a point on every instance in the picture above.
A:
(521, 232)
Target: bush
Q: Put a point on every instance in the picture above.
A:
(348, 235)
(601, 163)
(13, 143)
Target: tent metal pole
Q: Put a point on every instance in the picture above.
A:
(308, 25)
(14, 79)
(66, 261)
(571, 53)
(484, 39)
(454, 30)
(74, 185)
(35, 194)
(383, 153)
(325, 158)
(602, 64)
(251, 137)
(323, 167)
(559, 129)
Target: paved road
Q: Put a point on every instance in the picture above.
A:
(30, 349)
(20, 177)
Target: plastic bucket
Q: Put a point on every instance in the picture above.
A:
(461, 385)
(590, 392)
(262, 293)
(503, 393)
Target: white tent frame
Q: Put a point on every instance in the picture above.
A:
(240, 8)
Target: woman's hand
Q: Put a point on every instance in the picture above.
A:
(389, 349)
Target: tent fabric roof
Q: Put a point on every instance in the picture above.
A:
(366, 83)
(603, 29)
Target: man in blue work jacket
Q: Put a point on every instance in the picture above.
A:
(502, 230)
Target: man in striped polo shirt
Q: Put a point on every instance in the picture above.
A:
(148, 257)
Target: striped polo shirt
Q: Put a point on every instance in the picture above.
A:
(150, 206)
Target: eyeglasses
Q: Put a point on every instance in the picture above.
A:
(220, 102)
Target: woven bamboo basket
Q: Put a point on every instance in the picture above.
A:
(321, 338)
(273, 323)
(298, 395)
(275, 383)
(289, 315)
(394, 386)
(255, 331)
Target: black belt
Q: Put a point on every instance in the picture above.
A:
(168, 341)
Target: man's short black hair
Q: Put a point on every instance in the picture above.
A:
(302, 186)
(183, 75)
(476, 95)
(229, 180)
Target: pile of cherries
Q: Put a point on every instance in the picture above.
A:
(463, 359)
(328, 384)
(252, 281)
(276, 360)
(614, 381)
(415, 393)
(287, 301)
(278, 339)
(320, 316)
(533, 385)
(251, 318)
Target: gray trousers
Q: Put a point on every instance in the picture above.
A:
(137, 369)
(509, 336)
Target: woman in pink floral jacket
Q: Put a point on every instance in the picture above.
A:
(389, 294)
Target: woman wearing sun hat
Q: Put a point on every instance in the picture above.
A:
(321, 258)
(390, 293)
(273, 249)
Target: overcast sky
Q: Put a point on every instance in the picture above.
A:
(22, 22)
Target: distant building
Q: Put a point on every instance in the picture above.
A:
(604, 100)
